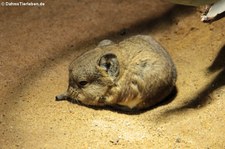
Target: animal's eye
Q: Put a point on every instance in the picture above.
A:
(83, 83)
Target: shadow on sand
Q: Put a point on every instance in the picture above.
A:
(203, 98)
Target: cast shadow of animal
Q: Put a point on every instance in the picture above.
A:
(203, 98)
(124, 110)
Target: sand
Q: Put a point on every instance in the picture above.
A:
(38, 44)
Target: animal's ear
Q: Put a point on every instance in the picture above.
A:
(109, 63)
(105, 42)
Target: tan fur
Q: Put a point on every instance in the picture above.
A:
(145, 76)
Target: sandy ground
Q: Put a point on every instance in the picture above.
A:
(38, 43)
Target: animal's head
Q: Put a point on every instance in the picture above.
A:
(92, 75)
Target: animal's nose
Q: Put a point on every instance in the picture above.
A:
(60, 97)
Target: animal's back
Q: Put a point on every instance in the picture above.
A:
(147, 72)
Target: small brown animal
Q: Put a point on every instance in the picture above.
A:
(136, 73)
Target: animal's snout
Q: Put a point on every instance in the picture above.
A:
(61, 97)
